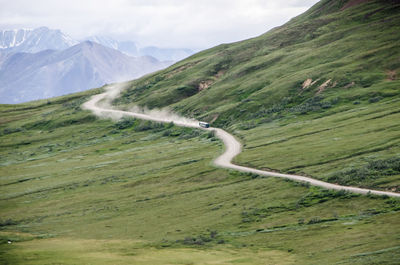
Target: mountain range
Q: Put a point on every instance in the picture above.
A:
(49, 73)
(43, 38)
(41, 63)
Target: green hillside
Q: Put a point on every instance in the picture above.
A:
(354, 52)
(78, 190)
(75, 189)
(322, 88)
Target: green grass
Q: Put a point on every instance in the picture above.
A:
(100, 192)
(256, 91)
(263, 76)
(329, 146)
(75, 189)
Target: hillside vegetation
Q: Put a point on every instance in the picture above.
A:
(75, 189)
(78, 190)
(317, 96)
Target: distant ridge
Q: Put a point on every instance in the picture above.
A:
(41, 63)
(49, 73)
(130, 48)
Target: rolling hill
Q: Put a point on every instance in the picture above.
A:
(77, 189)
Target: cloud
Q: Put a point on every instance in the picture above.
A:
(166, 23)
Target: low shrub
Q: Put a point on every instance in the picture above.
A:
(365, 175)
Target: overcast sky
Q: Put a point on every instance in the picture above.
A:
(195, 24)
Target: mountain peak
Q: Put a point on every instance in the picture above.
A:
(34, 40)
(88, 43)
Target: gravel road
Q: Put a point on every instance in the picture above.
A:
(232, 146)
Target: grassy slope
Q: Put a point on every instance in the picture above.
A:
(74, 189)
(256, 91)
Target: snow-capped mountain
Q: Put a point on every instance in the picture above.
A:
(49, 73)
(43, 38)
(130, 48)
(42, 63)
(34, 40)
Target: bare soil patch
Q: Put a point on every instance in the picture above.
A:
(391, 75)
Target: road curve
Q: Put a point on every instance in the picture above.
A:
(232, 146)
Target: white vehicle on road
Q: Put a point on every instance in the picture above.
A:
(204, 124)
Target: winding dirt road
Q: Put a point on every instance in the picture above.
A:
(232, 146)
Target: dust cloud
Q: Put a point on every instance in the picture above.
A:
(101, 105)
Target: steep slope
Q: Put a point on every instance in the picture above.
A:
(327, 81)
(358, 44)
(50, 73)
(34, 40)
